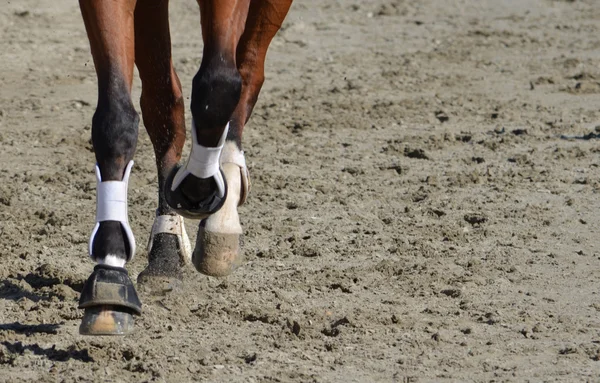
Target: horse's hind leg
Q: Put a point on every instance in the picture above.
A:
(219, 242)
(163, 112)
(264, 20)
(108, 296)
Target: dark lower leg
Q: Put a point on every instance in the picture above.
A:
(217, 86)
(162, 99)
(108, 296)
(115, 122)
(114, 137)
(163, 113)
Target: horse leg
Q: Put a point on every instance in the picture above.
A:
(219, 242)
(264, 20)
(199, 188)
(163, 113)
(108, 296)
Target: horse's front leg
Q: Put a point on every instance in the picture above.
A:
(163, 112)
(200, 189)
(219, 241)
(108, 296)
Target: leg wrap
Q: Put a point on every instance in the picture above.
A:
(111, 205)
(110, 286)
(172, 224)
(203, 163)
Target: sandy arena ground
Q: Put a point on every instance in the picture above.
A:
(425, 203)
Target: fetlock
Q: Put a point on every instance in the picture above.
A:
(112, 234)
(198, 188)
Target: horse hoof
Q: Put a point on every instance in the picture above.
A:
(219, 243)
(110, 301)
(217, 254)
(106, 320)
(166, 258)
(169, 251)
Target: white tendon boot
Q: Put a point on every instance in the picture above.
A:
(203, 163)
(220, 237)
(111, 205)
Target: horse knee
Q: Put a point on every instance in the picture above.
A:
(114, 134)
(216, 91)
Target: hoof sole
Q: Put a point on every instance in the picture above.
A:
(217, 254)
(106, 320)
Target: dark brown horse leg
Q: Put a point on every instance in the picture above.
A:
(198, 188)
(219, 242)
(163, 112)
(108, 296)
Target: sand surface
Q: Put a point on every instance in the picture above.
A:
(425, 202)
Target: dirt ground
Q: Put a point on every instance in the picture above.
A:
(425, 203)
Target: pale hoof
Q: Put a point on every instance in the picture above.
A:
(219, 244)
(106, 320)
(217, 254)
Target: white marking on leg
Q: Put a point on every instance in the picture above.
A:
(227, 219)
(172, 224)
(112, 260)
(232, 154)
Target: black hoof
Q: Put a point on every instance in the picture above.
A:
(110, 302)
(165, 265)
(179, 202)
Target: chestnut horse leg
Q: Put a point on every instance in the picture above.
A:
(199, 189)
(163, 112)
(218, 248)
(264, 20)
(108, 296)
